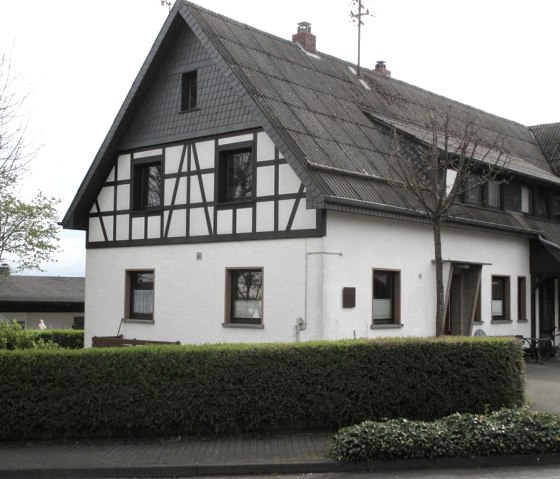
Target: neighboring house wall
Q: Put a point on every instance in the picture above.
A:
(52, 320)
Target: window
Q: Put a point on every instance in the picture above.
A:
(386, 297)
(500, 298)
(188, 91)
(140, 292)
(147, 185)
(525, 199)
(78, 322)
(540, 202)
(493, 194)
(521, 298)
(244, 296)
(235, 175)
(473, 195)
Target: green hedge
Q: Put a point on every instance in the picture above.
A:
(230, 388)
(505, 432)
(13, 336)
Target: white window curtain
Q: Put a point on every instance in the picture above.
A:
(143, 301)
(382, 309)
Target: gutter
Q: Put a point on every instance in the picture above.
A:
(548, 243)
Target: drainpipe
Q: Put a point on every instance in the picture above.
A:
(301, 323)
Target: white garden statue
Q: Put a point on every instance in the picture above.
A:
(42, 325)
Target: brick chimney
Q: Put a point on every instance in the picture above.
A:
(380, 67)
(304, 37)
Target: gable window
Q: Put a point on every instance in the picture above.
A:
(140, 295)
(188, 90)
(147, 183)
(244, 296)
(525, 199)
(386, 297)
(500, 298)
(235, 175)
(473, 194)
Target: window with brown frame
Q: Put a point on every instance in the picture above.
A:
(147, 184)
(244, 296)
(189, 90)
(521, 298)
(140, 295)
(236, 175)
(500, 298)
(386, 308)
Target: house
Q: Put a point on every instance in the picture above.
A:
(58, 301)
(242, 194)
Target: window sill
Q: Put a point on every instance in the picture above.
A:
(501, 321)
(478, 323)
(245, 203)
(190, 110)
(147, 212)
(243, 326)
(386, 326)
(522, 320)
(140, 321)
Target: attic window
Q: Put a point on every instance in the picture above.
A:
(147, 183)
(188, 91)
(236, 174)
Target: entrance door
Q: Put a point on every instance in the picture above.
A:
(462, 300)
(546, 305)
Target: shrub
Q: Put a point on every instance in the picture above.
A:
(231, 388)
(13, 336)
(504, 432)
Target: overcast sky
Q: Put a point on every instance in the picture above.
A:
(79, 58)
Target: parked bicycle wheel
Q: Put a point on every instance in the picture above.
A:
(545, 349)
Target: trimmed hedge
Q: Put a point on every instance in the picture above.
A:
(232, 388)
(13, 336)
(505, 432)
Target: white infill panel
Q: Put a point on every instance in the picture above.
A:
(154, 226)
(304, 219)
(284, 211)
(205, 151)
(198, 225)
(196, 195)
(178, 224)
(106, 198)
(123, 197)
(95, 233)
(138, 228)
(181, 198)
(123, 165)
(265, 216)
(265, 147)
(265, 181)
(288, 182)
(169, 187)
(225, 225)
(208, 183)
(235, 139)
(147, 153)
(244, 220)
(122, 227)
(173, 158)
(109, 226)
(111, 176)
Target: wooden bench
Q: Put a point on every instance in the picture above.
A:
(121, 342)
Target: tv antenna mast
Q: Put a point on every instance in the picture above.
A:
(356, 16)
(169, 3)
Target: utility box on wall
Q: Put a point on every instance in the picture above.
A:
(348, 297)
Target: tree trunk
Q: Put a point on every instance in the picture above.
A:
(440, 299)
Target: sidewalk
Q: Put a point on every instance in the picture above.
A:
(238, 455)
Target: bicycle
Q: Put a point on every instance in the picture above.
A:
(546, 347)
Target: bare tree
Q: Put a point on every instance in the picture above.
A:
(451, 160)
(28, 229)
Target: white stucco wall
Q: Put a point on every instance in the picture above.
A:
(302, 278)
(366, 243)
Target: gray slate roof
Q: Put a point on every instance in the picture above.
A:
(43, 289)
(319, 114)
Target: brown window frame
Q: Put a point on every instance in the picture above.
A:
(189, 90)
(395, 318)
(230, 317)
(226, 171)
(521, 298)
(129, 296)
(141, 187)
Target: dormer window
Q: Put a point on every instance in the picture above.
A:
(147, 185)
(188, 91)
